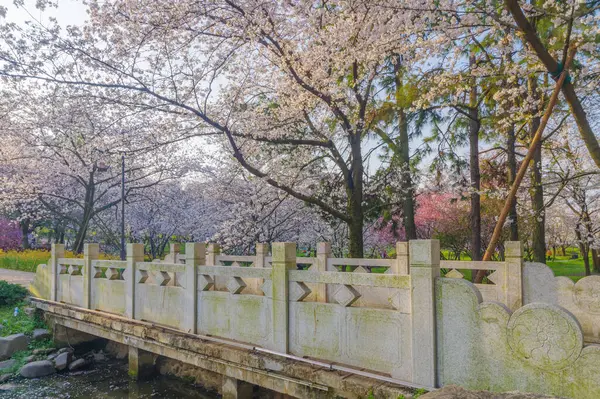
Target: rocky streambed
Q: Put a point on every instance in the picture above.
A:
(108, 379)
(84, 373)
(89, 370)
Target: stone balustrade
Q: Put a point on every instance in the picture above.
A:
(395, 317)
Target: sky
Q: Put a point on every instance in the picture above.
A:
(68, 12)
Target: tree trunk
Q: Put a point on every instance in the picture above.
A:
(537, 190)
(583, 249)
(564, 250)
(88, 211)
(595, 261)
(537, 204)
(474, 126)
(408, 206)
(512, 173)
(24, 224)
(354, 191)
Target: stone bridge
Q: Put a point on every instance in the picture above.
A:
(336, 327)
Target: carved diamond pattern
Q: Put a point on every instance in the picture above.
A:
(454, 274)
(143, 276)
(298, 291)
(361, 269)
(205, 282)
(99, 272)
(235, 263)
(236, 285)
(74, 270)
(267, 288)
(165, 277)
(113, 273)
(63, 269)
(346, 295)
(495, 277)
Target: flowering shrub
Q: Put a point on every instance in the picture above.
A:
(10, 234)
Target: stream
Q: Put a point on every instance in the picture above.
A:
(106, 380)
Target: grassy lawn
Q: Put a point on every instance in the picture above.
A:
(561, 265)
(22, 323)
(565, 266)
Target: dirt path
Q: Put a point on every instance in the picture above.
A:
(17, 277)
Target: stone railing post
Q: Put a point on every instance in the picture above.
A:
(214, 250)
(174, 250)
(211, 257)
(57, 251)
(400, 264)
(195, 254)
(424, 269)
(284, 259)
(135, 253)
(514, 275)
(90, 253)
(262, 250)
(323, 253)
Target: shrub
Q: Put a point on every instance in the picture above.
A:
(11, 294)
(10, 234)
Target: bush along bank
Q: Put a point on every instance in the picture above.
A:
(26, 346)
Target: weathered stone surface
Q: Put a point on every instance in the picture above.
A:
(29, 359)
(99, 357)
(62, 361)
(455, 392)
(69, 337)
(582, 299)
(43, 351)
(37, 369)
(77, 365)
(7, 364)
(52, 356)
(41, 333)
(5, 377)
(29, 311)
(65, 350)
(11, 344)
(539, 348)
(117, 350)
(8, 387)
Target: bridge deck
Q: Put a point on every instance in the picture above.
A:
(231, 359)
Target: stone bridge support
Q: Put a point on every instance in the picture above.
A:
(141, 363)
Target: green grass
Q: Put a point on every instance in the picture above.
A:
(22, 323)
(561, 265)
(565, 266)
(26, 261)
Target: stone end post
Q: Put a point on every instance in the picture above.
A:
(424, 258)
(90, 253)
(400, 265)
(323, 253)
(284, 259)
(195, 255)
(57, 252)
(135, 253)
(514, 275)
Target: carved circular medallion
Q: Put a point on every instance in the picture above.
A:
(586, 294)
(546, 336)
